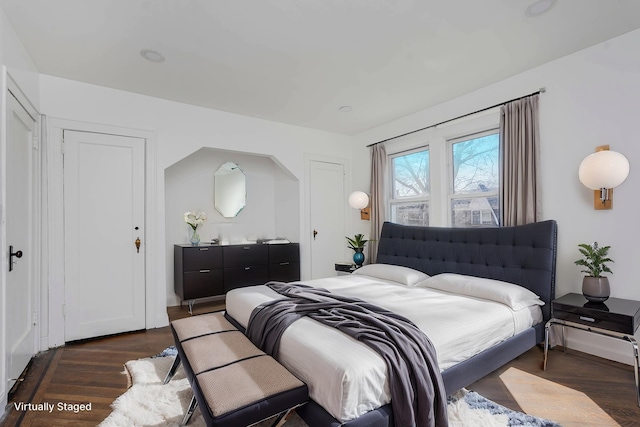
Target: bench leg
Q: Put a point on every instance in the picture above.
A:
(192, 407)
(173, 369)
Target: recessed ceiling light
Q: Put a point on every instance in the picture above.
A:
(540, 7)
(345, 108)
(152, 55)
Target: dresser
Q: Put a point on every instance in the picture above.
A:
(211, 270)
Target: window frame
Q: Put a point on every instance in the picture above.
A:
(435, 139)
(451, 195)
(392, 200)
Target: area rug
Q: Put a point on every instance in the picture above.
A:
(150, 403)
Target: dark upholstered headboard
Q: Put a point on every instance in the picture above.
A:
(524, 255)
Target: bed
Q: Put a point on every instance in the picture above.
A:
(523, 255)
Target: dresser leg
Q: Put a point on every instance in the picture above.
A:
(191, 302)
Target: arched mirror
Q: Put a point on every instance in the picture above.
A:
(230, 192)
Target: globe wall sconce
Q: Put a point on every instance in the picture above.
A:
(360, 200)
(602, 171)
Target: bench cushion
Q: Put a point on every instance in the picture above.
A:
(213, 351)
(245, 383)
(203, 324)
(234, 382)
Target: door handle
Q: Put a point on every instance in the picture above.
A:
(315, 233)
(137, 242)
(17, 254)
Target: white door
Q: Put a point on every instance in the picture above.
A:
(327, 204)
(21, 288)
(104, 216)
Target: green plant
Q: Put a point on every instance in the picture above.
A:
(594, 258)
(357, 242)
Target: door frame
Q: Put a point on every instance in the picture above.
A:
(305, 236)
(8, 85)
(154, 299)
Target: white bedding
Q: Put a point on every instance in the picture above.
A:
(346, 377)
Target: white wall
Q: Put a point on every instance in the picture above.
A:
(16, 62)
(591, 99)
(181, 130)
(189, 186)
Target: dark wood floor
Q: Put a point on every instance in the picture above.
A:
(576, 390)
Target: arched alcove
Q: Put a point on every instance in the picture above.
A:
(272, 202)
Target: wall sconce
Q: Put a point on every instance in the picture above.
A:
(360, 200)
(602, 171)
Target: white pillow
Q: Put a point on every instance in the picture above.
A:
(514, 296)
(395, 273)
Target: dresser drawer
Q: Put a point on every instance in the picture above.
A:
(245, 255)
(200, 284)
(289, 252)
(201, 258)
(238, 277)
(284, 271)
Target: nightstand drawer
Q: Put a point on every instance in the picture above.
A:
(614, 314)
(602, 322)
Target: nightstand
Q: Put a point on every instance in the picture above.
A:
(616, 318)
(345, 267)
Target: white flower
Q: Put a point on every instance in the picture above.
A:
(194, 219)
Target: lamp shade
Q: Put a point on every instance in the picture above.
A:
(358, 200)
(603, 169)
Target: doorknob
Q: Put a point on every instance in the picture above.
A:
(137, 242)
(17, 254)
(315, 233)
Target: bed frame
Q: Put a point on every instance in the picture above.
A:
(524, 255)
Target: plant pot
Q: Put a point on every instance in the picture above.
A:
(596, 289)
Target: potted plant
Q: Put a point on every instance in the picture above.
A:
(595, 287)
(357, 243)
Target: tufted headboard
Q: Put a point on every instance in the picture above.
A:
(524, 255)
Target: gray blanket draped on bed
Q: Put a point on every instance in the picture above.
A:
(417, 391)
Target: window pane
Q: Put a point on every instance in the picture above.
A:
(475, 212)
(411, 175)
(410, 213)
(475, 165)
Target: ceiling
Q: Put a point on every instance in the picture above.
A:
(299, 61)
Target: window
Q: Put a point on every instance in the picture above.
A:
(447, 175)
(410, 187)
(475, 180)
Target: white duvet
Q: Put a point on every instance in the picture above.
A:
(346, 377)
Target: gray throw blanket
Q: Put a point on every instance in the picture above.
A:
(418, 398)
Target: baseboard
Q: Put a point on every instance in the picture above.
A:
(162, 320)
(3, 403)
(601, 346)
(44, 343)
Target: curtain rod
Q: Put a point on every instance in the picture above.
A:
(541, 90)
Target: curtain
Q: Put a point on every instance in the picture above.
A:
(520, 138)
(378, 202)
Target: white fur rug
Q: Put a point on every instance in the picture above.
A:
(150, 403)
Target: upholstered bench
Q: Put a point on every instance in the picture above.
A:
(234, 383)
